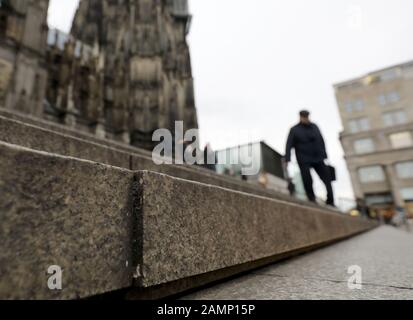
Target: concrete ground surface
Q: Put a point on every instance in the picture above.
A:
(385, 256)
(408, 226)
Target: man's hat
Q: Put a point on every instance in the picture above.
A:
(304, 113)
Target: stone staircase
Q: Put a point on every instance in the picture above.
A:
(120, 226)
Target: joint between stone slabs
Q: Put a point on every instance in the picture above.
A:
(138, 227)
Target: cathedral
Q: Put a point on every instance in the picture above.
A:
(122, 72)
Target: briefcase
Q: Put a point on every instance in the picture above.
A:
(332, 171)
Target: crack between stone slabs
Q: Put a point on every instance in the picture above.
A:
(334, 281)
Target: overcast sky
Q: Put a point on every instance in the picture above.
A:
(257, 63)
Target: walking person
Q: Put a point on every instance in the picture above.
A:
(310, 151)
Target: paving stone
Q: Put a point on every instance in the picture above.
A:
(384, 254)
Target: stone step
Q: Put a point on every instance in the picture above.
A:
(63, 211)
(42, 135)
(139, 233)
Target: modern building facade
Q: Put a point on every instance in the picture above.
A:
(377, 116)
(123, 72)
(263, 162)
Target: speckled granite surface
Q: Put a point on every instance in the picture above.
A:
(107, 226)
(43, 139)
(66, 212)
(41, 135)
(385, 256)
(191, 228)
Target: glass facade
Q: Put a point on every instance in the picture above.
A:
(234, 161)
(250, 160)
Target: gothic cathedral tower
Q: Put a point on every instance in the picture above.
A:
(23, 73)
(124, 71)
(148, 81)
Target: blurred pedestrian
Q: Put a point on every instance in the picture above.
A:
(363, 208)
(310, 151)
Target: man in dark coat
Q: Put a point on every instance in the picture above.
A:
(310, 151)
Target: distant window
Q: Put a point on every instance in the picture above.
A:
(405, 170)
(401, 140)
(364, 124)
(353, 126)
(363, 146)
(407, 194)
(390, 98)
(393, 97)
(359, 105)
(384, 198)
(351, 106)
(400, 117)
(388, 119)
(382, 100)
(358, 125)
(180, 7)
(371, 174)
(51, 37)
(389, 75)
(394, 118)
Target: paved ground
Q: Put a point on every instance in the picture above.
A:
(408, 226)
(385, 256)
